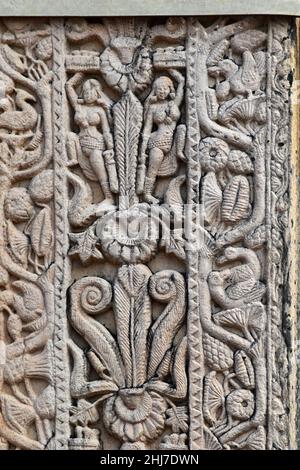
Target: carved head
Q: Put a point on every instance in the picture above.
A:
(91, 91)
(163, 88)
(230, 253)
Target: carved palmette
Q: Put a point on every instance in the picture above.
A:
(144, 188)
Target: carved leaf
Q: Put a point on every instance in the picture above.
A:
(244, 369)
(84, 413)
(17, 415)
(128, 114)
(211, 441)
(17, 243)
(175, 245)
(234, 317)
(133, 318)
(256, 440)
(177, 419)
(213, 398)
(16, 61)
(236, 199)
(165, 286)
(85, 246)
(93, 295)
(41, 232)
(211, 198)
(257, 316)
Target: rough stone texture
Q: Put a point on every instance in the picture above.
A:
(145, 208)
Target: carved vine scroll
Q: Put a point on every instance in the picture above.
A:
(144, 169)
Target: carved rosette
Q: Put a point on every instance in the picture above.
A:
(144, 197)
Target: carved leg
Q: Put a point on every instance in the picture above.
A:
(155, 158)
(97, 162)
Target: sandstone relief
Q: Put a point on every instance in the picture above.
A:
(144, 170)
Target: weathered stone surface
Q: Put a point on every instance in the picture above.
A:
(144, 256)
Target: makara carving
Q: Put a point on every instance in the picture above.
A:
(144, 202)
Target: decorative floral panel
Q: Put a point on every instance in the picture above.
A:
(144, 168)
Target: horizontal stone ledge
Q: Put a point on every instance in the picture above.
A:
(147, 7)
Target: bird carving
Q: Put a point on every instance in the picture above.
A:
(247, 79)
(244, 285)
(241, 81)
(22, 119)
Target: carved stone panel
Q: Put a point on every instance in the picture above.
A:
(144, 253)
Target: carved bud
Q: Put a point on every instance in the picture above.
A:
(41, 187)
(18, 205)
(45, 403)
(218, 355)
(239, 162)
(44, 48)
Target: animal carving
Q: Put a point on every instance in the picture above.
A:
(240, 81)
(244, 285)
(23, 119)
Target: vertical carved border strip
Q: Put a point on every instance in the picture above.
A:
(61, 241)
(269, 339)
(194, 326)
(279, 249)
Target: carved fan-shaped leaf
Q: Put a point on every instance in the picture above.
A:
(218, 355)
(211, 442)
(234, 317)
(244, 369)
(213, 398)
(17, 415)
(211, 198)
(256, 440)
(18, 244)
(257, 316)
(41, 232)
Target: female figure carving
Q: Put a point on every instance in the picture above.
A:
(161, 114)
(95, 141)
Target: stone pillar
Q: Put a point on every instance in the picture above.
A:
(148, 255)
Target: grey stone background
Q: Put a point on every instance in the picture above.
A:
(147, 7)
